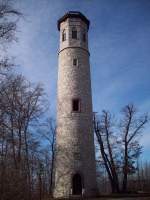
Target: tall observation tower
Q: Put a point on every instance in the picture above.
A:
(75, 171)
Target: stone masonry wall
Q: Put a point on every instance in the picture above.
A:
(75, 140)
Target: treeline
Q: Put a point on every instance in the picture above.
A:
(25, 141)
(27, 135)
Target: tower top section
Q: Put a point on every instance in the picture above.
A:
(73, 14)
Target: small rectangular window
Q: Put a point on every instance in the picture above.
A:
(75, 105)
(64, 37)
(74, 34)
(75, 61)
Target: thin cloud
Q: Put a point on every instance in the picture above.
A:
(119, 45)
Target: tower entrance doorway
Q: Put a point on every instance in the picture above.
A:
(77, 184)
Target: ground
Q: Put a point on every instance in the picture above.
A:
(135, 198)
(123, 198)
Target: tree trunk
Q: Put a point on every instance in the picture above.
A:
(125, 170)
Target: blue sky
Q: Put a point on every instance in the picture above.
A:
(119, 40)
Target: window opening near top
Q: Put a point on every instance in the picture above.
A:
(64, 35)
(74, 33)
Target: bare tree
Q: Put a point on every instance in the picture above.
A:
(8, 20)
(50, 135)
(21, 107)
(131, 127)
(9, 17)
(106, 140)
(26, 164)
(119, 144)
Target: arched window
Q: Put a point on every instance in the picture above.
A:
(64, 35)
(77, 184)
(74, 33)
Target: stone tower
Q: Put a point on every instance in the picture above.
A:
(75, 171)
